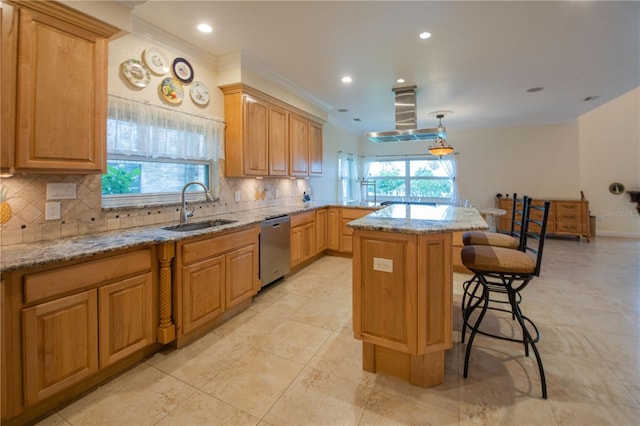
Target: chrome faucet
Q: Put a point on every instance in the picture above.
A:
(184, 213)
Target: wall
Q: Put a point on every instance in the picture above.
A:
(540, 161)
(610, 152)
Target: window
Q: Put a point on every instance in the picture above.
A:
(348, 173)
(152, 152)
(412, 179)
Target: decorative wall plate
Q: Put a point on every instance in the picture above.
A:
(171, 90)
(156, 61)
(183, 70)
(199, 93)
(135, 73)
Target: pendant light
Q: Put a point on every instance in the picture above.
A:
(439, 146)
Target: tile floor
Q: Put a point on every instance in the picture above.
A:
(291, 359)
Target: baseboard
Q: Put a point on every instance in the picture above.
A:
(617, 234)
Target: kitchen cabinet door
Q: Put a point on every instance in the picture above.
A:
(203, 296)
(278, 141)
(296, 248)
(241, 274)
(298, 146)
(126, 318)
(321, 230)
(8, 67)
(315, 149)
(60, 341)
(333, 229)
(61, 104)
(256, 137)
(308, 241)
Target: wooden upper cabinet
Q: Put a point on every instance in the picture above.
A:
(267, 137)
(278, 141)
(8, 68)
(256, 136)
(315, 149)
(298, 146)
(61, 97)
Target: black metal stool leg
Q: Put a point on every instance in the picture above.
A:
(528, 339)
(474, 328)
(472, 295)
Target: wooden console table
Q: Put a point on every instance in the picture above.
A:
(566, 217)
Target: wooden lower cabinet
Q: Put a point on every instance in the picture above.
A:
(213, 276)
(402, 303)
(346, 234)
(333, 229)
(60, 341)
(69, 326)
(321, 230)
(240, 275)
(125, 316)
(302, 238)
(202, 292)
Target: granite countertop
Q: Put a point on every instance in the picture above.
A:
(421, 219)
(44, 252)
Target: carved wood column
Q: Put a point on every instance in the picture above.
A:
(166, 329)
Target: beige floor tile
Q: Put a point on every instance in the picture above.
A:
(144, 396)
(341, 356)
(199, 362)
(201, 409)
(503, 399)
(579, 379)
(614, 346)
(294, 340)
(386, 408)
(589, 413)
(317, 312)
(319, 398)
(254, 382)
(53, 420)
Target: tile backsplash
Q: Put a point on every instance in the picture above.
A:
(27, 196)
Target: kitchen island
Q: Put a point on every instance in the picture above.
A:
(402, 288)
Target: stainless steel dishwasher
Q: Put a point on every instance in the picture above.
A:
(274, 248)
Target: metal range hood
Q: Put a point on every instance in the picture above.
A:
(406, 121)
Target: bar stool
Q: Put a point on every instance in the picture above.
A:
(512, 241)
(507, 272)
(497, 239)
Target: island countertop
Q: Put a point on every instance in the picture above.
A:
(421, 219)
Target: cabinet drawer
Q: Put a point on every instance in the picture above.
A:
(302, 218)
(567, 217)
(213, 246)
(43, 285)
(569, 227)
(564, 207)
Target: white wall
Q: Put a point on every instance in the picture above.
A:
(335, 138)
(132, 47)
(610, 152)
(539, 161)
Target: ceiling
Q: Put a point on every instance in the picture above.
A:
(480, 61)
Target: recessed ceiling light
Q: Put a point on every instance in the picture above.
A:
(343, 110)
(347, 79)
(204, 28)
(425, 35)
(535, 89)
(400, 80)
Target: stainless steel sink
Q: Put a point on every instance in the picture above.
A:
(184, 227)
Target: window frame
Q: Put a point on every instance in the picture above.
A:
(407, 179)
